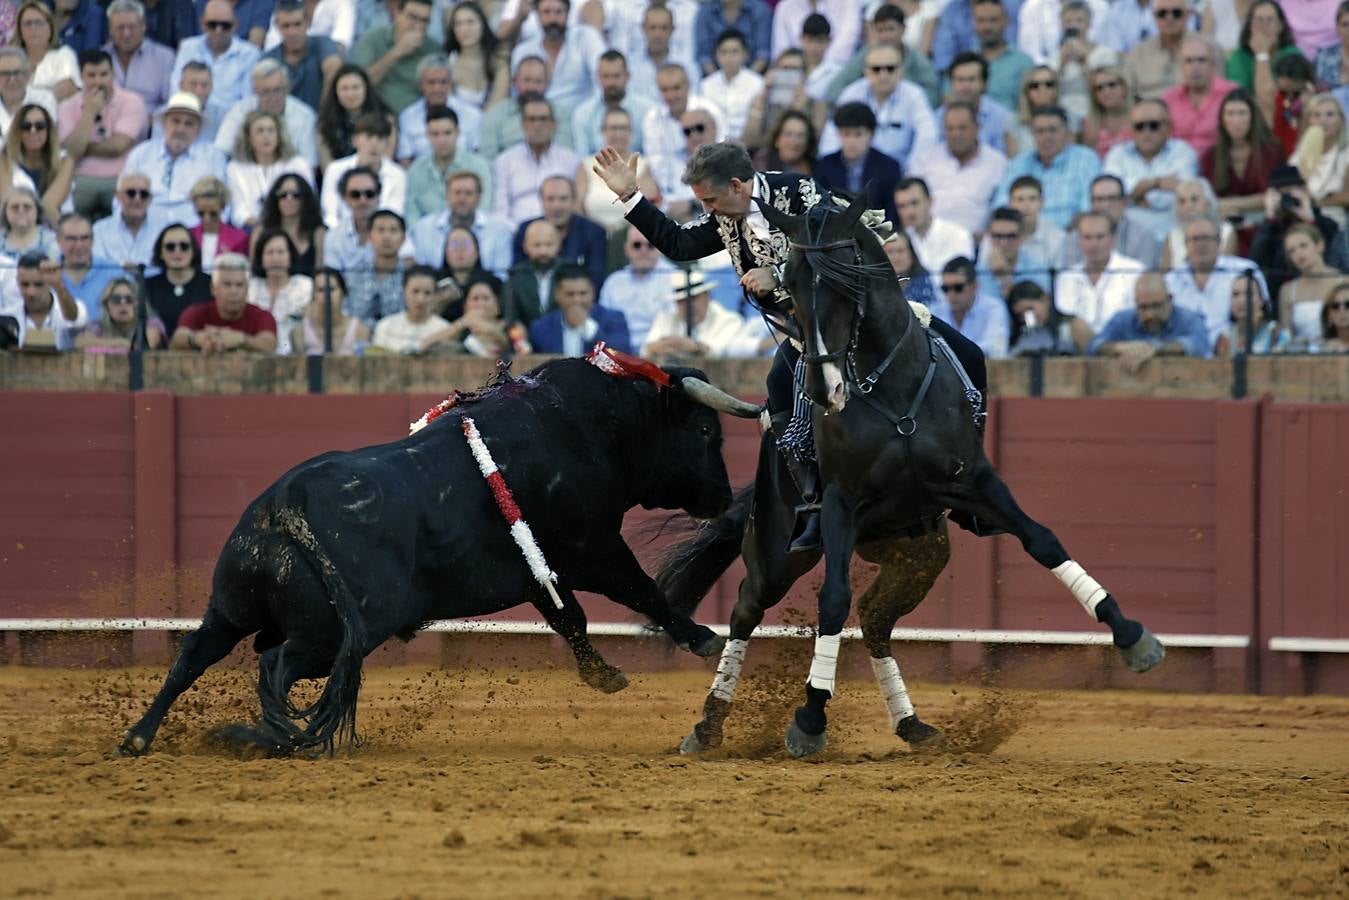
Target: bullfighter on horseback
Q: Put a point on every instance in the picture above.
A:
(724, 182)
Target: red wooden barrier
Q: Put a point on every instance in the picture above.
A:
(1203, 517)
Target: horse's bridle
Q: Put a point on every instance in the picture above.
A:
(848, 352)
(849, 348)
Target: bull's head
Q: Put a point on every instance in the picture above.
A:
(690, 471)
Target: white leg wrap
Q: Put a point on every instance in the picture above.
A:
(1085, 588)
(896, 695)
(825, 663)
(728, 670)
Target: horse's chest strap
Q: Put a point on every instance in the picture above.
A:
(907, 424)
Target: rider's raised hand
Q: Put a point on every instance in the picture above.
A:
(618, 173)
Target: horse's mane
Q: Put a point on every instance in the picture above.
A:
(843, 275)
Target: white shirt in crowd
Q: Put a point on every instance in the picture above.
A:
(393, 186)
(1095, 303)
(733, 96)
(943, 242)
(249, 184)
(961, 194)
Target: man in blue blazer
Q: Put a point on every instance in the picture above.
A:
(576, 323)
(582, 240)
(857, 162)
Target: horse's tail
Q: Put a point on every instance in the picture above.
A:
(330, 720)
(689, 568)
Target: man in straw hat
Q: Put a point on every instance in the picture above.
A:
(176, 161)
(694, 325)
(724, 182)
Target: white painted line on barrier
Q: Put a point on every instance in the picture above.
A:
(633, 629)
(1309, 645)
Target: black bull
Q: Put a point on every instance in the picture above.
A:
(350, 548)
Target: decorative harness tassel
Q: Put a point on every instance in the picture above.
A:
(524, 537)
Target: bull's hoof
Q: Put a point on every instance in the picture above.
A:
(915, 732)
(1144, 653)
(699, 739)
(132, 745)
(709, 643)
(608, 681)
(799, 744)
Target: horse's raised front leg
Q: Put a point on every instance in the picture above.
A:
(909, 569)
(1139, 647)
(806, 733)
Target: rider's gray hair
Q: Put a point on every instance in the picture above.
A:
(127, 6)
(717, 164)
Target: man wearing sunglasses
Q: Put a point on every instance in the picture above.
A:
(641, 289)
(662, 131)
(1153, 65)
(128, 236)
(229, 57)
(904, 122)
(1151, 165)
(348, 246)
(15, 87)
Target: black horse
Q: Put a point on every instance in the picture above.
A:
(899, 445)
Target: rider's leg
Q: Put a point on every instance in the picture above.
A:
(791, 415)
(968, 352)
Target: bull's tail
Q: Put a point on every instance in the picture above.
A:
(330, 720)
(690, 567)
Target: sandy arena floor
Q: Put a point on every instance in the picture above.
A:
(481, 783)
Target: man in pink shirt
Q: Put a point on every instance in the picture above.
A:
(98, 126)
(1194, 103)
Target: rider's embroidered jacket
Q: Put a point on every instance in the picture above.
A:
(788, 192)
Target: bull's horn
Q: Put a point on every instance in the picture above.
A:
(712, 396)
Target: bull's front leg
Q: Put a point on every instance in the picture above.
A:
(570, 623)
(614, 572)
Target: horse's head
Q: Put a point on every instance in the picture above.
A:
(827, 277)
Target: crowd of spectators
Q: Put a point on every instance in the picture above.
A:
(1115, 177)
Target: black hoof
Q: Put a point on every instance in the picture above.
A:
(132, 745)
(1144, 653)
(708, 643)
(915, 732)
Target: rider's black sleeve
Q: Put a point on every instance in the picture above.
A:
(693, 241)
(967, 351)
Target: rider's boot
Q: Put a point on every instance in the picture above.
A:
(806, 532)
